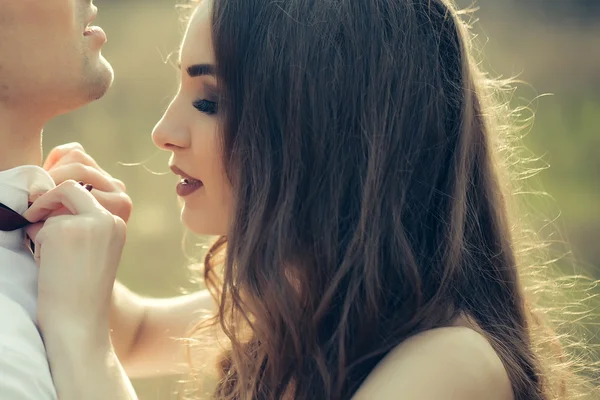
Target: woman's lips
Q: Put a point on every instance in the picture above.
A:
(187, 185)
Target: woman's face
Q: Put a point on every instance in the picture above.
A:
(189, 131)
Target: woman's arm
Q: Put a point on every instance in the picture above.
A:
(142, 329)
(78, 255)
(146, 333)
(85, 367)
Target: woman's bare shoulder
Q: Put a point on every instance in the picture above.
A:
(452, 363)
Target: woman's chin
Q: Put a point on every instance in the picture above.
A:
(201, 224)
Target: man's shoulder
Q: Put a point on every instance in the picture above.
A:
(25, 375)
(18, 283)
(23, 363)
(17, 330)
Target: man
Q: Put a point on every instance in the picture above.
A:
(50, 63)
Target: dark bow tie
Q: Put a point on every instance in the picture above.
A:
(11, 220)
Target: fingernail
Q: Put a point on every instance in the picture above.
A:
(88, 187)
(81, 183)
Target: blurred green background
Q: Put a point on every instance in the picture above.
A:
(554, 45)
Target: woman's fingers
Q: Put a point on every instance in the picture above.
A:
(71, 162)
(79, 156)
(74, 154)
(59, 152)
(33, 229)
(70, 195)
(106, 189)
(117, 203)
(81, 173)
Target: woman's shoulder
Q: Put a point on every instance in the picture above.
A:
(453, 363)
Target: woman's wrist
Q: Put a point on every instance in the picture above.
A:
(65, 335)
(85, 366)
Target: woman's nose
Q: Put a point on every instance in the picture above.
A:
(170, 132)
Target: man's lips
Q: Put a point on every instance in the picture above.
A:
(92, 18)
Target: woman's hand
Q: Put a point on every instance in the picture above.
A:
(70, 161)
(78, 255)
(75, 294)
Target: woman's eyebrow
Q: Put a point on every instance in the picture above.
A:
(200, 70)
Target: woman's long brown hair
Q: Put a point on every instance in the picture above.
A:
(363, 152)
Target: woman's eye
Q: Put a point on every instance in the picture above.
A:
(206, 106)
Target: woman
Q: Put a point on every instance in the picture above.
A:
(346, 155)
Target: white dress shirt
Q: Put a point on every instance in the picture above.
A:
(24, 370)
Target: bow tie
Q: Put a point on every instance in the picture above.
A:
(11, 220)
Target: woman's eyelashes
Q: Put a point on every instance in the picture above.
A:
(206, 106)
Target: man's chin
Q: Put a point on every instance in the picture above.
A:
(93, 83)
(98, 85)
(94, 88)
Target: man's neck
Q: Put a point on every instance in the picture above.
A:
(20, 139)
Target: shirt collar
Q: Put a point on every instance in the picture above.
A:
(18, 184)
